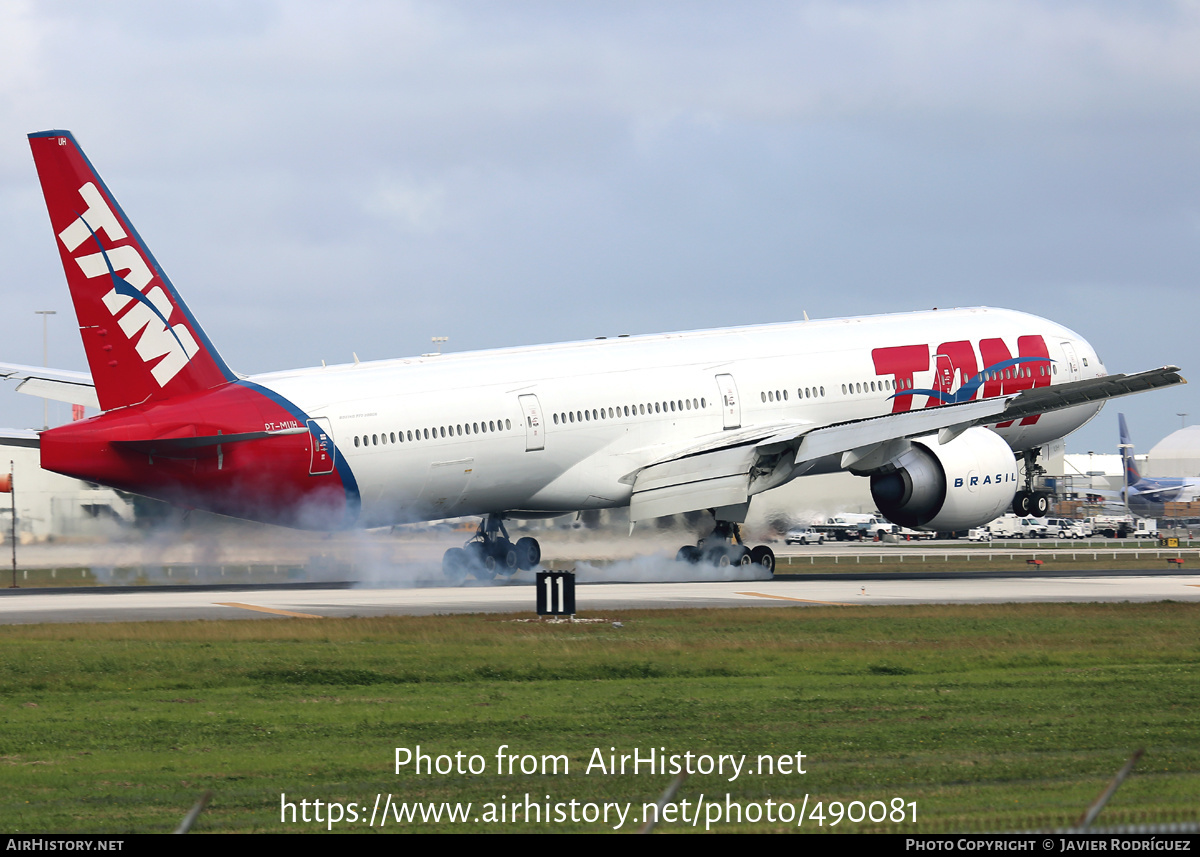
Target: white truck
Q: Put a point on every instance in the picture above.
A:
(851, 527)
(1067, 528)
(1012, 527)
(1123, 526)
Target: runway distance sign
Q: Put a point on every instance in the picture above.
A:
(556, 593)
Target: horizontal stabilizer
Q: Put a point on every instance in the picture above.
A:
(20, 437)
(58, 385)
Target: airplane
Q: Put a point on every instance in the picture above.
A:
(933, 407)
(1147, 497)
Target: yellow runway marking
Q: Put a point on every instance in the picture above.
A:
(269, 610)
(803, 600)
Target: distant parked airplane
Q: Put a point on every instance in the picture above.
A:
(1147, 497)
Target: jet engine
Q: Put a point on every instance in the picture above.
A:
(947, 486)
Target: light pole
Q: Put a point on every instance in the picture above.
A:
(1182, 420)
(45, 362)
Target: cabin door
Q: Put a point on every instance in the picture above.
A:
(535, 430)
(321, 441)
(731, 407)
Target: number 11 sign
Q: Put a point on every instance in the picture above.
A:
(556, 593)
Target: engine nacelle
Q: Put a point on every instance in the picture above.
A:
(954, 486)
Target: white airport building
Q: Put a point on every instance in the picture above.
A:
(52, 506)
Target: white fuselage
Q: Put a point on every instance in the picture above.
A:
(554, 428)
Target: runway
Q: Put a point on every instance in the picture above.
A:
(135, 604)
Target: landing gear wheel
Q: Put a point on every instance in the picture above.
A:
(481, 563)
(503, 556)
(454, 565)
(1021, 503)
(689, 554)
(529, 553)
(718, 556)
(764, 558)
(1039, 505)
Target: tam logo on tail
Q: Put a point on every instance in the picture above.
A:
(141, 341)
(146, 321)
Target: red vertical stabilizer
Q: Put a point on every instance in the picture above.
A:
(142, 343)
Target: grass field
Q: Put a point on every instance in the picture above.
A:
(984, 717)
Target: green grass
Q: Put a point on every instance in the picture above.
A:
(988, 717)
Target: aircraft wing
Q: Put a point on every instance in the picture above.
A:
(1058, 396)
(58, 385)
(729, 468)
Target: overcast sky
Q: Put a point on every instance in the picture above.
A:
(325, 178)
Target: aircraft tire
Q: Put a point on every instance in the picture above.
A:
(475, 553)
(1039, 505)
(763, 557)
(718, 555)
(529, 553)
(689, 554)
(454, 565)
(503, 556)
(1020, 504)
(480, 563)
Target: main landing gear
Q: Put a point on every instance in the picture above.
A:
(1030, 500)
(723, 547)
(490, 552)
